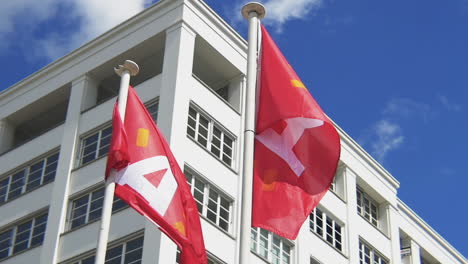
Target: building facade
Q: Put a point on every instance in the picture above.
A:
(55, 129)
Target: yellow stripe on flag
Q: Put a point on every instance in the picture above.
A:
(142, 137)
(269, 180)
(180, 227)
(297, 84)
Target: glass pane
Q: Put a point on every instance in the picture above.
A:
(16, 184)
(35, 173)
(3, 189)
(114, 255)
(118, 204)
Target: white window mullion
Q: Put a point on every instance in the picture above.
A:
(221, 147)
(7, 193)
(197, 125)
(98, 144)
(206, 191)
(209, 138)
(270, 246)
(230, 221)
(124, 248)
(44, 166)
(88, 207)
(324, 225)
(33, 223)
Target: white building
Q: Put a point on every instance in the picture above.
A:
(55, 131)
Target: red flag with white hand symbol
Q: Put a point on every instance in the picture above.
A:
(297, 148)
(149, 179)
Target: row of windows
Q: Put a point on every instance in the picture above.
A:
(25, 235)
(327, 228)
(211, 203)
(28, 178)
(269, 246)
(129, 252)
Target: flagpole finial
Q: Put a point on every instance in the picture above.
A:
(253, 7)
(129, 66)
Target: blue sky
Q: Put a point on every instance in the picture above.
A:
(392, 74)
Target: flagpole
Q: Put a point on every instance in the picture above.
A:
(129, 68)
(253, 12)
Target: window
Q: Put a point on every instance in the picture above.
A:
(129, 252)
(210, 135)
(368, 255)
(333, 187)
(210, 202)
(96, 145)
(327, 228)
(88, 208)
(367, 207)
(153, 108)
(28, 178)
(23, 236)
(271, 247)
(211, 259)
(314, 261)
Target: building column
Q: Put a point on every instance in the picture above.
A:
(393, 230)
(7, 135)
(59, 200)
(90, 93)
(172, 120)
(415, 253)
(351, 228)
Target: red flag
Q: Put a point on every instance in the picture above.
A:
(149, 179)
(297, 148)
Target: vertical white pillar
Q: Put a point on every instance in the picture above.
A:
(90, 93)
(7, 135)
(172, 120)
(352, 225)
(415, 252)
(59, 200)
(394, 232)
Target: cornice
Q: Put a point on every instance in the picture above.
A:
(413, 217)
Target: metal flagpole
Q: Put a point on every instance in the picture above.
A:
(129, 68)
(253, 12)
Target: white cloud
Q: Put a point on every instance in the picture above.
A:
(281, 11)
(449, 105)
(17, 12)
(92, 17)
(408, 108)
(278, 12)
(388, 137)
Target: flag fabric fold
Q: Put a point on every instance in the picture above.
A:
(149, 179)
(297, 148)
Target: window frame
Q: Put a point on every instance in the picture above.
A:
(30, 233)
(324, 235)
(27, 171)
(212, 124)
(89, 192)
(207, 188)
(373, 253)
(361, 196)
(114, 244)
(255, 245)
(79, 159)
